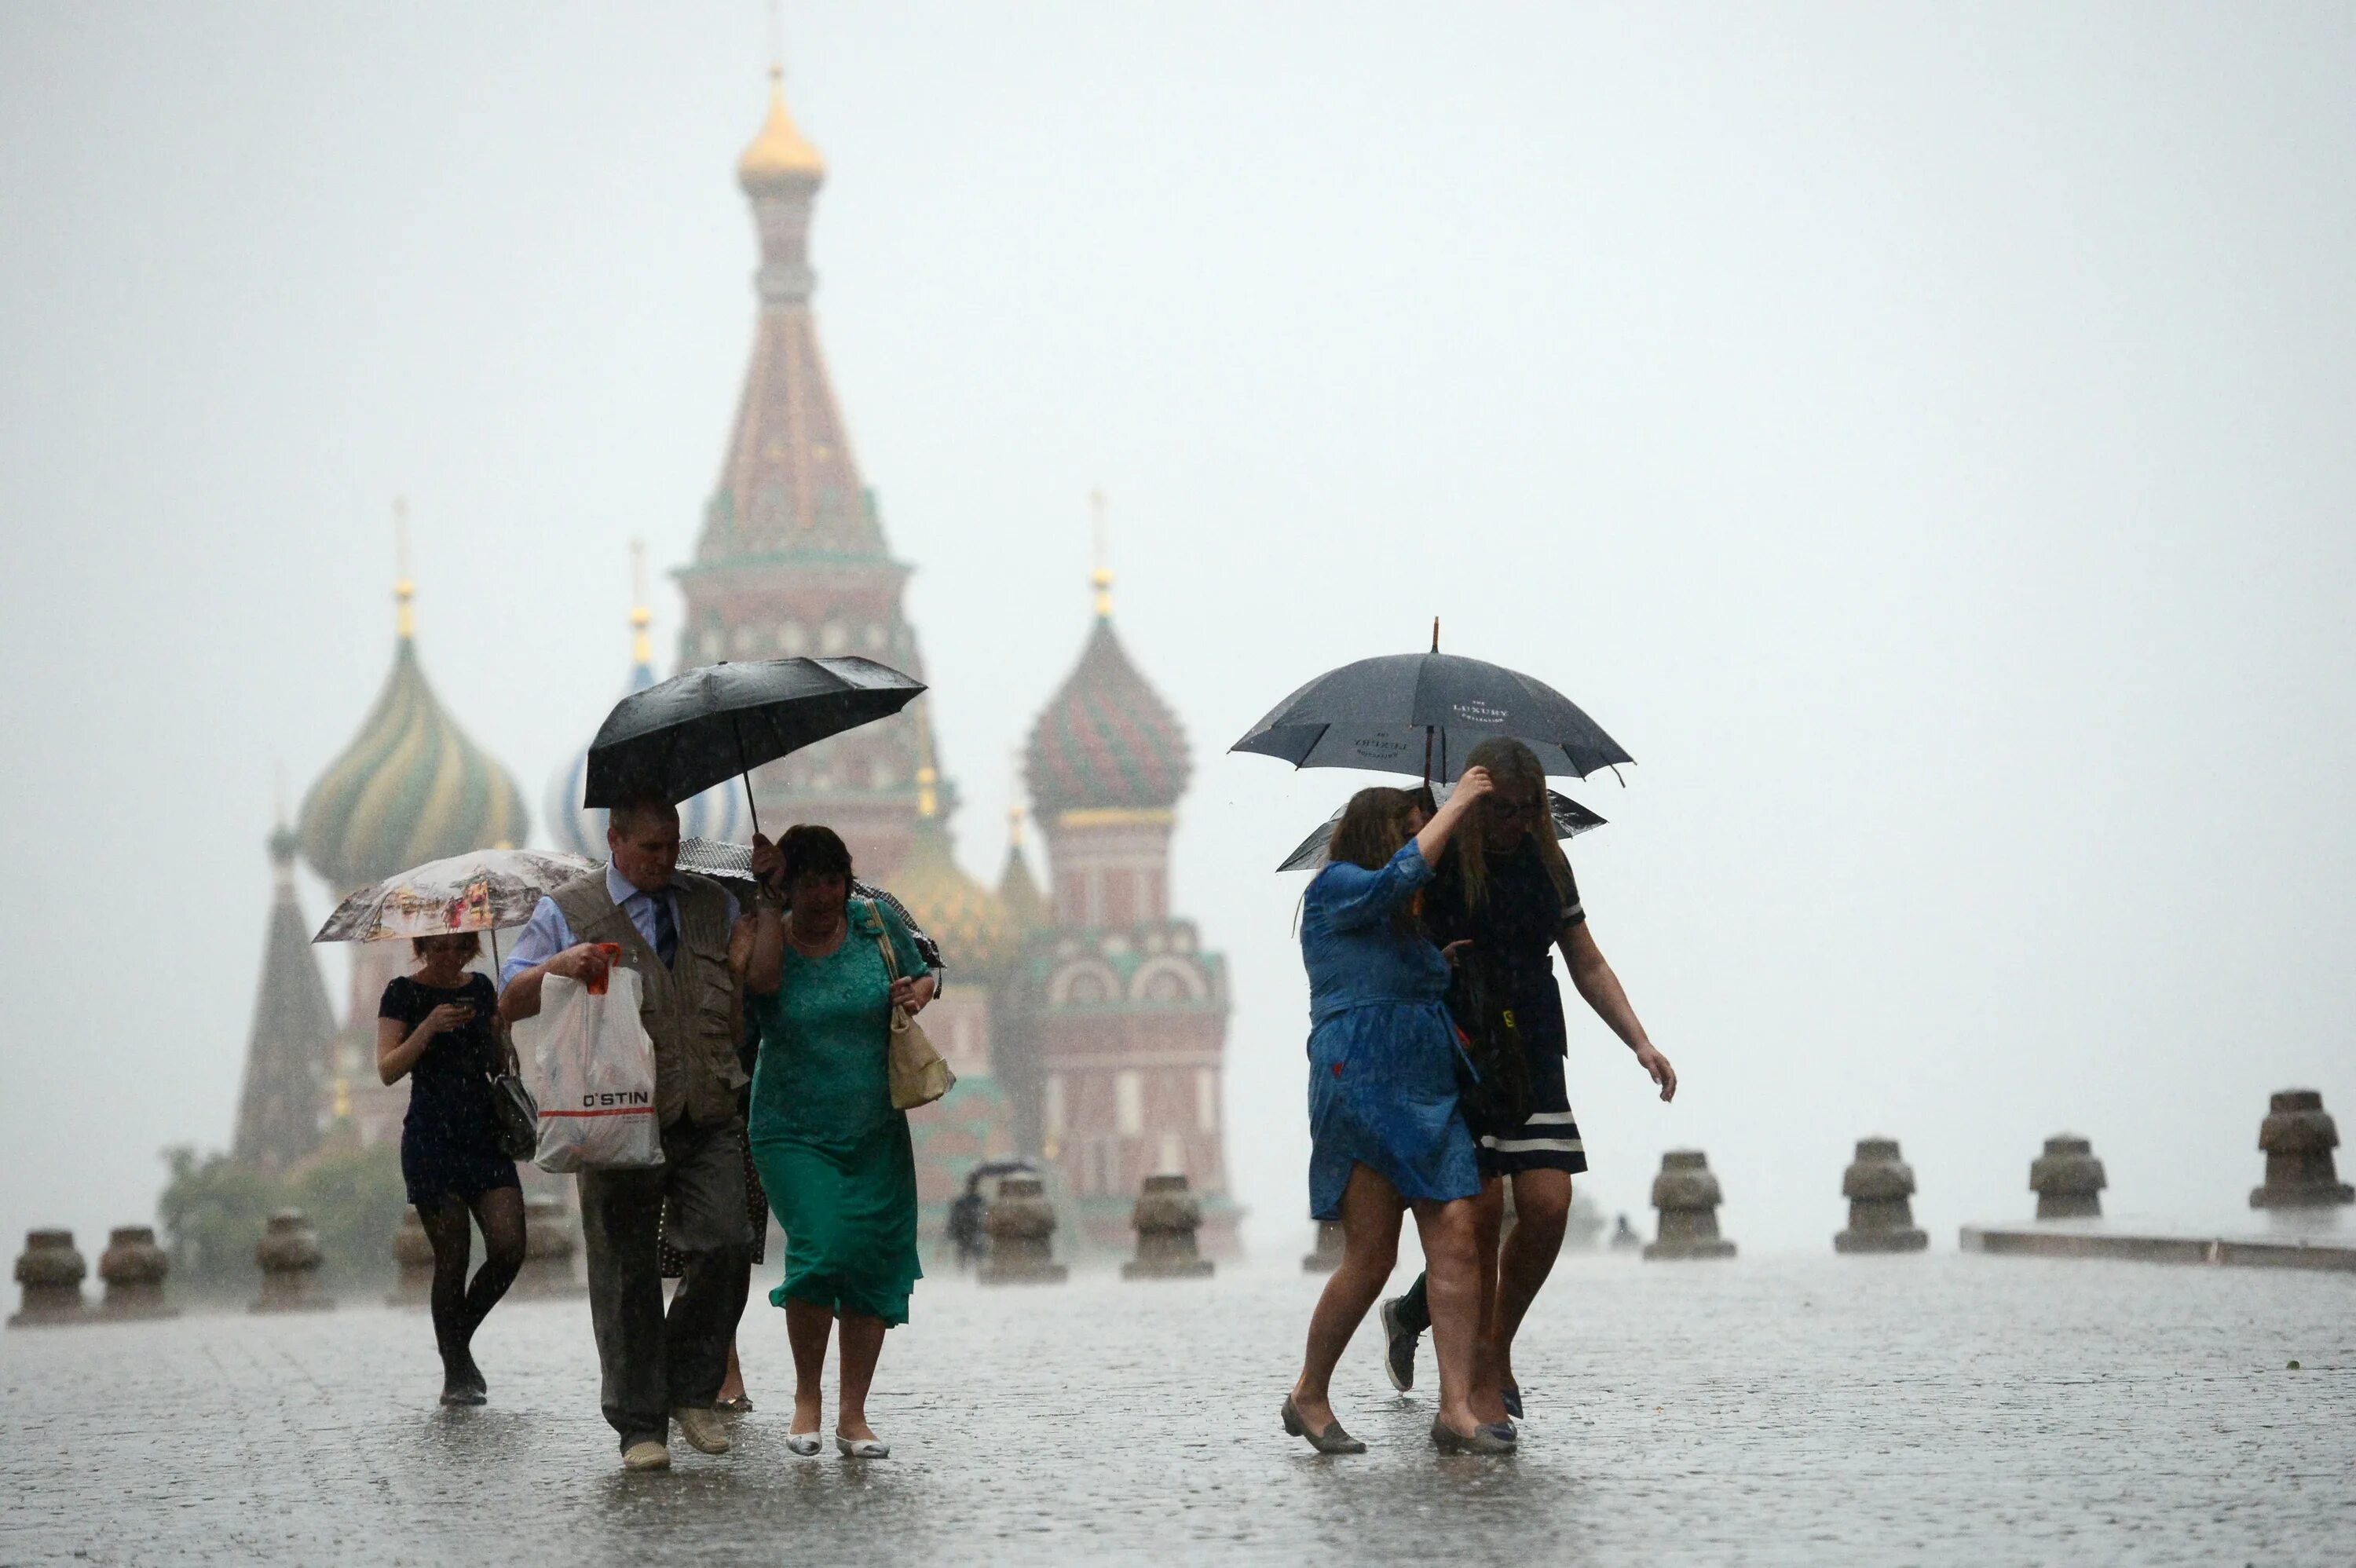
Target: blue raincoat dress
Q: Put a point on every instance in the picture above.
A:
(1382, 1050)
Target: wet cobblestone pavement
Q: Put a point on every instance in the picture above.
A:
(1938, 1409)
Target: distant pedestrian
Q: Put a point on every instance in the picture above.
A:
(1386, 1133)
(439, 1028)
(834, 1152)
(1504, 889)
(673, 929)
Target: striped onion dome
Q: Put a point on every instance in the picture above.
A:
(717, 814)
(1106, 740)
(963, 916)
(410, 788)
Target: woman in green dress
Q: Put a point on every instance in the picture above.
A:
(832, 1153)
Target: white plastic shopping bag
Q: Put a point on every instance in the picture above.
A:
(594, 1075)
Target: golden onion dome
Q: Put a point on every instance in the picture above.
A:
(963, 916)
(780, 154)
(410, 788)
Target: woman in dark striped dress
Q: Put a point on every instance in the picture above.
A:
(1504, 886)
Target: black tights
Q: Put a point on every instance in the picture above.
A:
(459, 1308)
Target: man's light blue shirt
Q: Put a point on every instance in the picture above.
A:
(548, 933)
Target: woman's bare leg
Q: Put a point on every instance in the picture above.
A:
(731, 1384)
(1452, 1266)
(863, 1343)
(1541, 1208)
(807, 1326)
(1370, 1221)
(1486, 1394)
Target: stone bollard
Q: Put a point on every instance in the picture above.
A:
(134, 1267)
(1020, 1220)
(1326, 1255)
(51, 1273)
(1880, 1187)
(413, 1256)
(1624, 1236)
(1686, 1195)
(2298, 1137)
(1166, 1217)
(289, 1256)
(2068, 1180)
(547, 1249)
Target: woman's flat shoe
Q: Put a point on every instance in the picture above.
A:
(1332, 1440)
(740, 1406)
(1493, 1439)
(861, 1449)
(802, 1443)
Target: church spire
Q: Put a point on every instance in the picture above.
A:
(788, 484)
(792, 559)
(1101, 578)
(290, 1049)
(642, 648)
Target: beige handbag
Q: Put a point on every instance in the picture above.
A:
(919, 1076)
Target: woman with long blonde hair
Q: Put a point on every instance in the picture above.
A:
(1504, 889)
(1385, 1131)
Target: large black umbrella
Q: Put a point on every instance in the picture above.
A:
(677, 739)
(1570, 820)
(1421, 713)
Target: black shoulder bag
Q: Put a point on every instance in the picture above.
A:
(515, 1114)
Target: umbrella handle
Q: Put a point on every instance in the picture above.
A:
(745, 774)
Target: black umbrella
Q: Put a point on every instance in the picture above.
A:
(1392, 714)
(1570, 820)
(677, 739)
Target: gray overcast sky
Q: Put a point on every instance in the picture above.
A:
(1921, 435)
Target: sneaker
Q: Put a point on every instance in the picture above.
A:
(645, 1455)
(1398, 1353)
(702, 1429)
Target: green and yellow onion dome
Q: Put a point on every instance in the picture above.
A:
(966, 918)
(410, 788)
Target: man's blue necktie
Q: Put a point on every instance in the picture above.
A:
(666, 929)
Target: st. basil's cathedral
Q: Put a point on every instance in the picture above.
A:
(1086, 1023)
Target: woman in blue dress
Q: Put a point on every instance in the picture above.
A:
(1385, 1130)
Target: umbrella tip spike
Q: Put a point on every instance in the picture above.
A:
(1435, 633)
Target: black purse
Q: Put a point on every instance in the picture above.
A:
(1492, 1067)
(516, 1116)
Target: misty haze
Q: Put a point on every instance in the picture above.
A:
(1919, 445)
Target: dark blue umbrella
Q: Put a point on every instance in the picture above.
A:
(1421, 713)
(677, 739)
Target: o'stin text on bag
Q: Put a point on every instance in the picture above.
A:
(634, 1097)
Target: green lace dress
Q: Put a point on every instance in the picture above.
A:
(832, 1153)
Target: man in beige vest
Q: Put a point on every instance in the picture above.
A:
(673, 930)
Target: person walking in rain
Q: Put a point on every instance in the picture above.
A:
(673, 929)
(437, 1027)
(1386, 1132)
(1506, 890)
